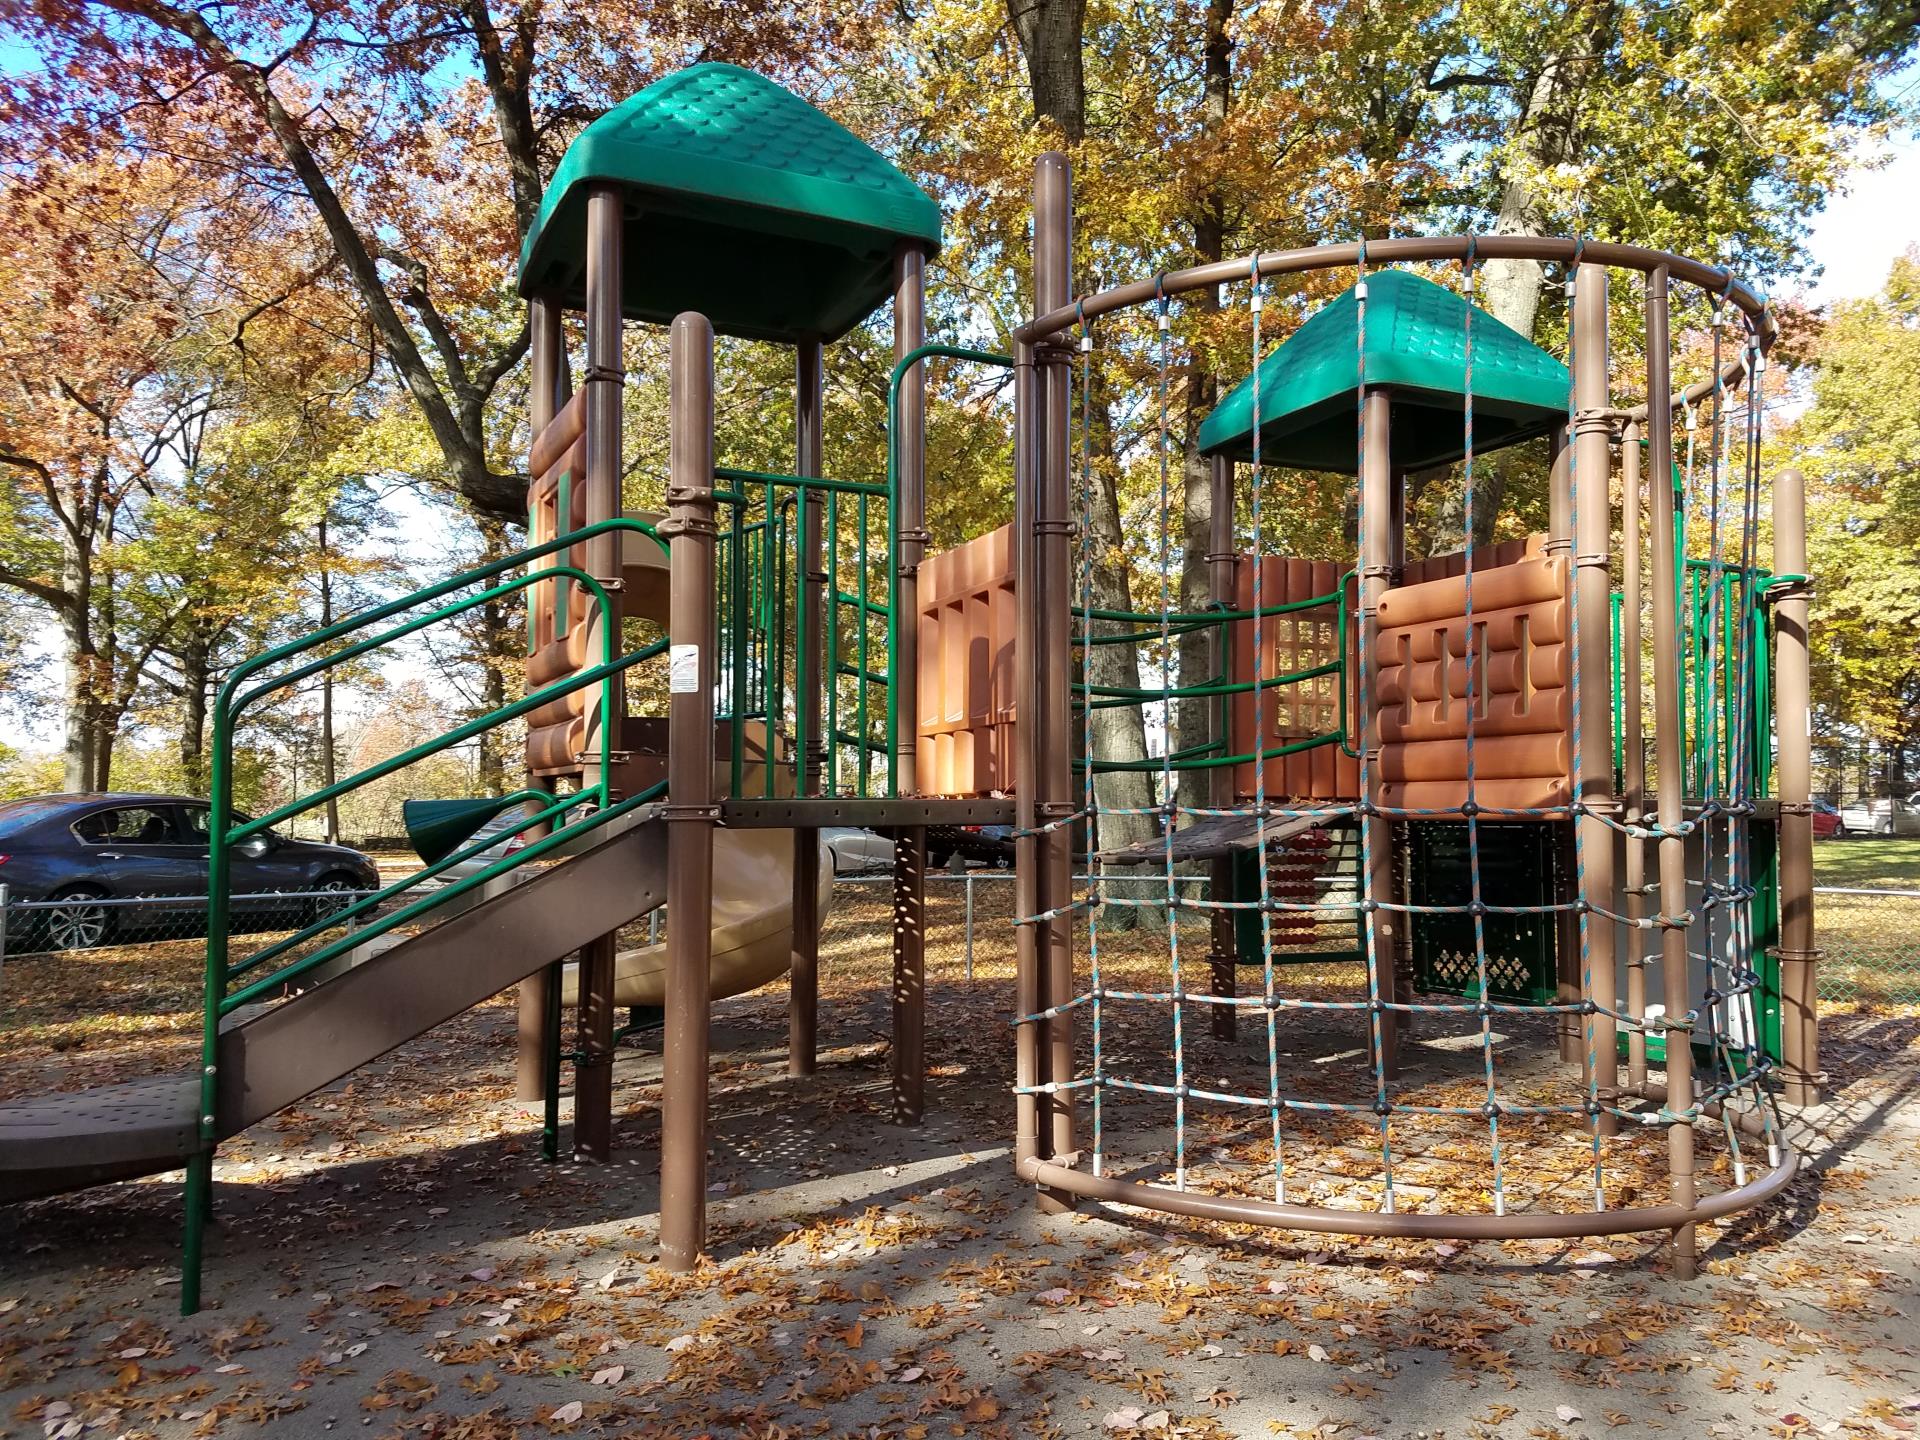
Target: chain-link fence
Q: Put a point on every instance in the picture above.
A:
(89, 921)
(1870, 946)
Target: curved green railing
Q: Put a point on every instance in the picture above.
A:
(1156, 627)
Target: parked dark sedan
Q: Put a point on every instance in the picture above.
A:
(81, 850)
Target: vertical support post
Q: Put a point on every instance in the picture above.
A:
(1220, 940)
(803, 974)
(1799, 960)
(1029, 857)
(1633, 753)
(1052, 287)
(1377, 547)
(1566, 924)
(530, 1018)
(1672, 846)
(1591, 480)
(967, 880)
(690, 811)
(909, 841)
(605, 378)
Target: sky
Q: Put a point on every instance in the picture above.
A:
(1857, 237)
(1864, 227)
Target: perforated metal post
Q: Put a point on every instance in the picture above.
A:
(605, 380)
(530, 998)
(909, 841)
(1220, 561)
(803, 974)
(690, 811)
(1799, 991)
(1633, 751)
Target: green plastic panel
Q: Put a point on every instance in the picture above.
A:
(1516, 868)
(437, 828)
(743, 202)
(1249, 935)
(1416, 342)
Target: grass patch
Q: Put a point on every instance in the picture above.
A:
(1880, 864)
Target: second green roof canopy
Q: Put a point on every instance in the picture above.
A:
(1416, 342)
(741, 201)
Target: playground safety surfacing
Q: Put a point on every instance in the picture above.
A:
(392, 1259)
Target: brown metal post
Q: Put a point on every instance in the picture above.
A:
(530, 997)
(1052, 286)
(1591, 479)
(909, 841)
(1633, 755)
(1670, 810)
(605, 379)
(1030, 1139)
(1220, 937)
(803, 974)
(1377, 546)
(690, 811)
(1566, 924)
(1799, 960)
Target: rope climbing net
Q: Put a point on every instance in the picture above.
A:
(1389, 1094)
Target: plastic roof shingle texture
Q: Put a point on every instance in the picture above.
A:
(1416, 342)
(722, 167)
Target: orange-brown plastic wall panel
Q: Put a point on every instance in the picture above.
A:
(1521, 710)
(1291, 642)
(967, 615)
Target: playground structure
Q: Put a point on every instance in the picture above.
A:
(1435, 770)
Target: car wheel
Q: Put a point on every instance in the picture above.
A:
(74, 924)
(320, 909)
(1003, 862)
(1884, 829)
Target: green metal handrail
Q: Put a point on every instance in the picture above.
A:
(231, 703)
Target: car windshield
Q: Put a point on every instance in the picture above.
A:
(17, 815)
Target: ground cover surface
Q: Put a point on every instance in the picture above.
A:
(393, 1259)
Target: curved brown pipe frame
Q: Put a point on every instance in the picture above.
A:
(1399, 1225)
(1038, 1069)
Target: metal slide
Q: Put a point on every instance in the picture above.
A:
(382, 995)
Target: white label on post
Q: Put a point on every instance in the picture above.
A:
(683, 670)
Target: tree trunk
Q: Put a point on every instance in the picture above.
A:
(1051, 36)
(195, 665)
(501, 647)
(106, 733)
(81, 664)
(1547, 135)
(1199, 649)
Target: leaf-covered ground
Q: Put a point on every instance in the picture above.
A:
(392, 1259)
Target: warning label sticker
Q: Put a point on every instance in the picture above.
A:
(683, 669)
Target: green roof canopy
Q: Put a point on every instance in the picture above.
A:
(1416, 343)
(742, 202)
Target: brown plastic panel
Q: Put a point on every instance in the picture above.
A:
(292, 1050)
(1522, 710)
(966, 711)
(566, 428)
